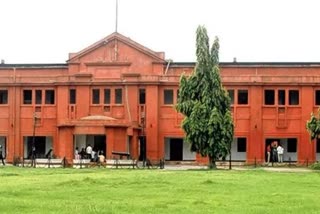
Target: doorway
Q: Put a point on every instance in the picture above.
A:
(42, 146)
(3, 143)
(268, 145)
(97, 142)
(176, 149)
(142, 148)
(238, 149)
(289, 145)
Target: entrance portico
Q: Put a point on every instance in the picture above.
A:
(101, 132)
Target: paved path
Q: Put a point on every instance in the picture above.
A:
(287, 169)
(274, 169)
(199, 167)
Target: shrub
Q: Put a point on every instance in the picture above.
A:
(16, 161)
(315, 166)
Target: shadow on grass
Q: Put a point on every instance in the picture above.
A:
(9, 174)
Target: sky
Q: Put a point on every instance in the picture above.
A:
(45, 31)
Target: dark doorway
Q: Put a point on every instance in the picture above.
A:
(40, 146)
(290, 149)
(3, 143)
(99, 143)
(273, 156)
(176, 149)
(143, 148)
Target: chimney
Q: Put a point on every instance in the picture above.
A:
(2, 61)
(234, 59)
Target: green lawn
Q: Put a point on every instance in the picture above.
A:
(29, 190)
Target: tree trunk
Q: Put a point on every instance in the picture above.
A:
(212, 163)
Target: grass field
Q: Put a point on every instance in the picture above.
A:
(29, 190)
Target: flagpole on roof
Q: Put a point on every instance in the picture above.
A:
(116, 15)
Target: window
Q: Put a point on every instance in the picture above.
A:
(243, 97)
(269, 97)
(281, 97)
(142, 96)
(95, 96)
(317, 97)
(107, 96)
(38, 97)
(242, 144)
(118, 96)
(27, 96)
(292, 145)
(231, 95)
(3, 97)
(49, 97)
(318, 146)
(168, 96)
(293, 97)
(72, 96)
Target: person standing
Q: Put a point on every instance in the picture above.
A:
(280, 153)
(76, 154)
(101, 157)
(268, 153)
(83, 153)
(274, 146)
(89, 151)
(1, 155)
(93, 155)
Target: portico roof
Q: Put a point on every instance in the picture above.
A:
(97, 117)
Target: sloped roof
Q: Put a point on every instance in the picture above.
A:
(34, 65)
(97, 117)
(121, 38)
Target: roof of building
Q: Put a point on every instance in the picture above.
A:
(34, 65)
(97, 117)
(252, 64)
(182, 64)
(122, 38)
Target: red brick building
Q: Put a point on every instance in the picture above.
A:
(118, 95)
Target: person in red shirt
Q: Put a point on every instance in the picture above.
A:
(268, 153)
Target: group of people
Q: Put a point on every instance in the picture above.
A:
(89, 153)
(275, 152)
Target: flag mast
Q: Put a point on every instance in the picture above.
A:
(116, 15)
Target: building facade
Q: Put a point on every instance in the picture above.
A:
(119, 96)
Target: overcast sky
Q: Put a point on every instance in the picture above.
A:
(45, 31)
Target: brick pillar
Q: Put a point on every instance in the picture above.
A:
(109, 142)
(64, 146)
(134, 146)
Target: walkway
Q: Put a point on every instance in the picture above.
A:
(274, 169)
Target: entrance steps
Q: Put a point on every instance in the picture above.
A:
(41, 163)
(188, 163)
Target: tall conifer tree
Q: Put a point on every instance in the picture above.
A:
(203, 101)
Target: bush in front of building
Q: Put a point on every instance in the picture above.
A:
(315, 166)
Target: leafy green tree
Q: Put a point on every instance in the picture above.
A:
(206, 104)
(313, 126)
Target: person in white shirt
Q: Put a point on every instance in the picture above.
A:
(76, 154)
(280, 153)
(93, 154)
(89, 151)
